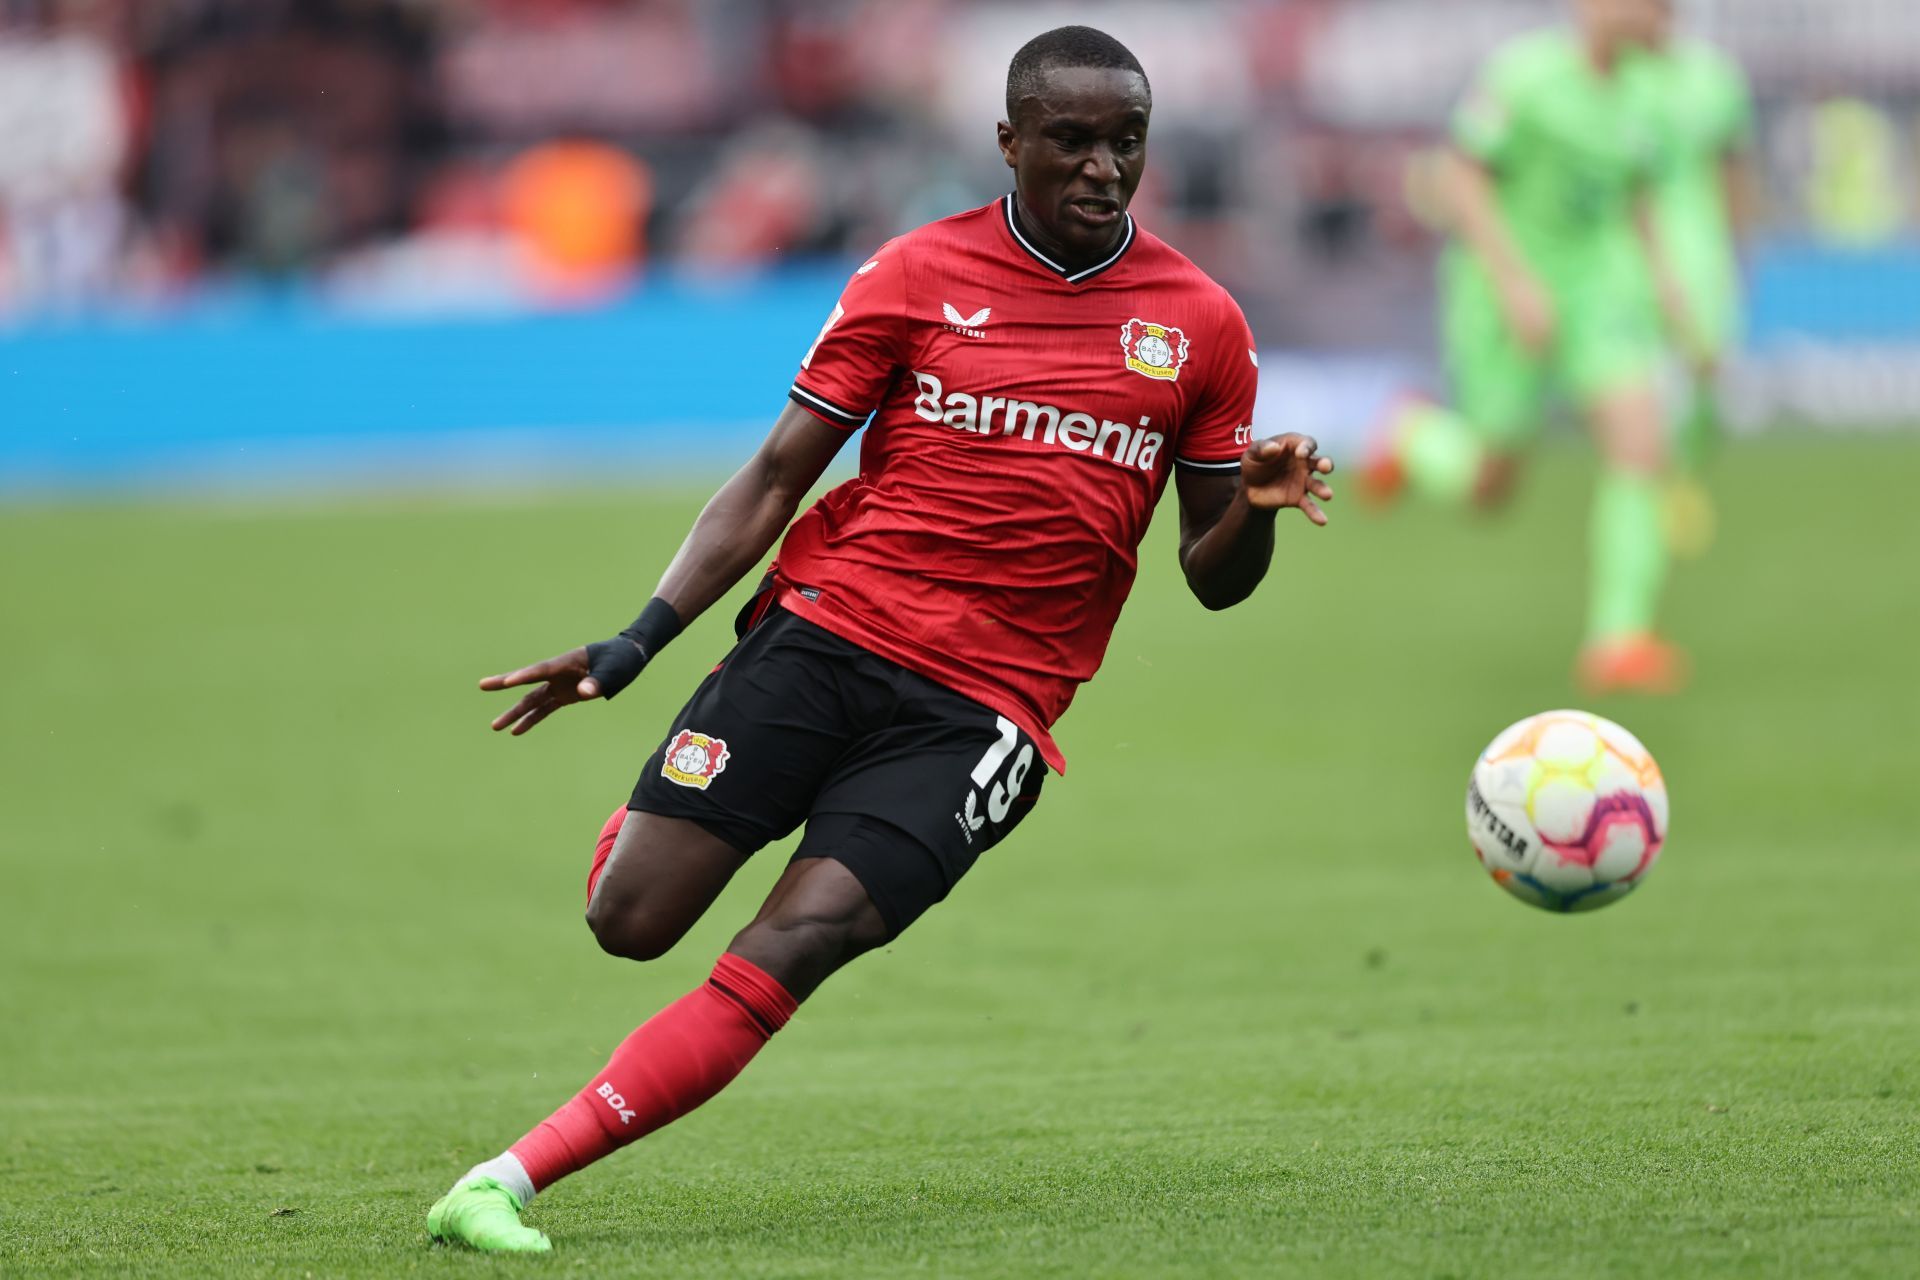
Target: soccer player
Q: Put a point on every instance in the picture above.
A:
(1544, 287)
(1031, 374)
(1702, 203)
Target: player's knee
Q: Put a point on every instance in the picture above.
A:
(628, 933)
(1632, 432)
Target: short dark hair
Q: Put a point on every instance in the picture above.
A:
(1065, 47)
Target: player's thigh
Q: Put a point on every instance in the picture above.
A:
(660, 878)
(913, 807)
(748, 754)
(1611, 360)
(1498, 385)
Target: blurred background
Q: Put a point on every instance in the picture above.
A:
(247, 241)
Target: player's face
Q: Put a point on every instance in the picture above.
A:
(1077, 152)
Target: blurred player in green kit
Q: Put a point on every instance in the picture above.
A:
(1545, 288)
(1702, 203)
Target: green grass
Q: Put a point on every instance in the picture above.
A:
(289, 940)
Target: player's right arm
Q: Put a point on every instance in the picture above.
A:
(1484, 132)
(1478, 222)
(731, 537)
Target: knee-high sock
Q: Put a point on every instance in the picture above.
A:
(1437, 450)
(679, 1058)
(1629, 553)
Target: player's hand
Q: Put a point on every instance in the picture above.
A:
(563, 681)
(1684, 328)
(1528, 309)
(1286, 471)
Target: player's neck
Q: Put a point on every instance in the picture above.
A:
(1603, 54)
(1071, 260)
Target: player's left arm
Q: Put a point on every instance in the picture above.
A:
(1230, 485)
(1226, 520)
(1677, 313)
(1740, 191)
(1739, 173)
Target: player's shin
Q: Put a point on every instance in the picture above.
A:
(1629, 556)
(677, 1060)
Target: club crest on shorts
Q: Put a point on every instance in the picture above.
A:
(694, 759)
(1155, 350)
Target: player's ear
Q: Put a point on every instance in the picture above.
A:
(1009, 143)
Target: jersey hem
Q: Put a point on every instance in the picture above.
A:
(848, 629)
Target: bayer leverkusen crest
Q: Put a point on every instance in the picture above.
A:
(1156, 350)
(693, 759)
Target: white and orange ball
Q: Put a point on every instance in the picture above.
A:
(1567, 811)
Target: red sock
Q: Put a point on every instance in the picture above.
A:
(679, 1058)
(604, 849)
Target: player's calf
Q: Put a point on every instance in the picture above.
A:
(1495, 481)
(817, 918)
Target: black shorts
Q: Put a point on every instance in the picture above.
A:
(900, 779)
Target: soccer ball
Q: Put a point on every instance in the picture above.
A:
(1567, 811)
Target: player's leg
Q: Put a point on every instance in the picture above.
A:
(652, 878)
(818, 917)
(1629, 548)
(904, 812)
(744, 761)
(660, 875)
(1610, 349)
(1471, 453)
(1705, 270)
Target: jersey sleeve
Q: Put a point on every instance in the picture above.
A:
(847, 369)
(1221, 427)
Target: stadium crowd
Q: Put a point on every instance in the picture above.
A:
(445, 152)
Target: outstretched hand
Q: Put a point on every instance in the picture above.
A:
(1285, 471)
(563, 681)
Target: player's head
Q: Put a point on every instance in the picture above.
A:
(1618, 23)
(1075, 135)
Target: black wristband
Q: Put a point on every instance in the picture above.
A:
(616, 663)
(655, 628)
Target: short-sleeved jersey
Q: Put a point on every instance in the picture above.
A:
(1706, 113)
(1567, 145)
(1025, 420)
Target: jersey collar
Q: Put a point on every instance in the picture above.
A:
(1033, 251)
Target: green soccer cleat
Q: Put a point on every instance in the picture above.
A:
(482, 1214)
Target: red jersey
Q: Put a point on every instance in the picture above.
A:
(1025, 422)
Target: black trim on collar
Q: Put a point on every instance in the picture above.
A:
(1007, 203)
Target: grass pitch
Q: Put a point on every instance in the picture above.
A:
(289, 939)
